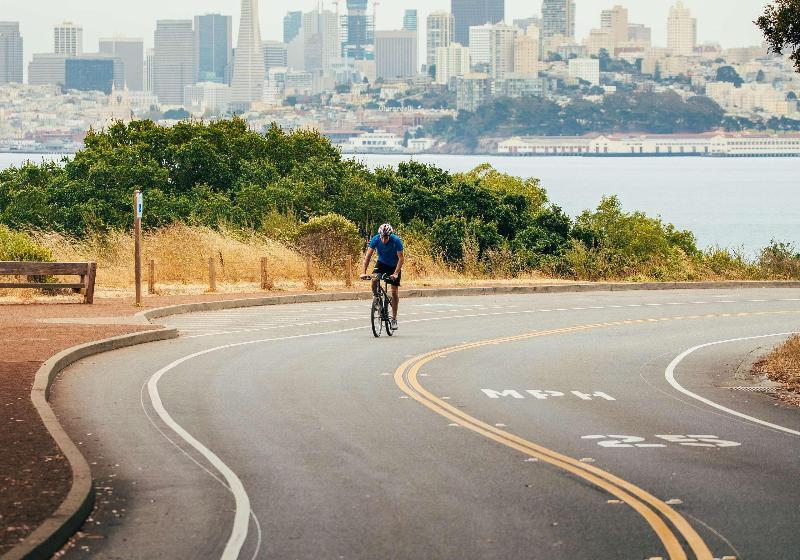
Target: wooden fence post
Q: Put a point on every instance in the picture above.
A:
(310, 284)
(348, 281)
(266, 283)
(212, 275)
(151, 277)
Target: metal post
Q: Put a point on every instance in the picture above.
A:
(137, 233)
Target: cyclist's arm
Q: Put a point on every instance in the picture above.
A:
(367, 259)
(400, 260)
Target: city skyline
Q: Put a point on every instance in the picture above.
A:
(98, 21)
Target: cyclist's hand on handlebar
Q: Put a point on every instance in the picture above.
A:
(365, 277)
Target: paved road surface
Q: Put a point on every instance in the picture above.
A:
(289, 432)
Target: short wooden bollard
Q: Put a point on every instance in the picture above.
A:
(348, 281)
(266, 283)
(212, 275)
(310, 284)
(151, 277)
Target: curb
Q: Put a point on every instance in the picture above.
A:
(56, 530)
(161, 312)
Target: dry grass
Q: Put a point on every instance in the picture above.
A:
(783, 364)
(181, 255)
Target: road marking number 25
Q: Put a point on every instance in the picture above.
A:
(688, 440)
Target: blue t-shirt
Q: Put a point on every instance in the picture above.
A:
(387, 252)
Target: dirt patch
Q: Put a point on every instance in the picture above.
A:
(782, 365)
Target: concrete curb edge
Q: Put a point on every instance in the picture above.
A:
(161, 312)
(56, 530)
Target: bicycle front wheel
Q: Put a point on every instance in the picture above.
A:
(377, 317)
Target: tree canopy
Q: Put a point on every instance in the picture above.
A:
(781, 26)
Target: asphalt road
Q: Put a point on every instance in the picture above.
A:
(549, 426)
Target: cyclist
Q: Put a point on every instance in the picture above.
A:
(390, 261)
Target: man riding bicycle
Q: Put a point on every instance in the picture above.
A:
(390, 261)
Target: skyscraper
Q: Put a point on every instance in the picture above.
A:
(410, 20)
(451, 61)
(469, 13)
(173, 60)
(615, 22)
(558, 18)
(275, 55)
(358, 30)
(93, 73)
(395, 54)
(681, 30)
(213, 47)
(247, 85)
(131, 52)
(10, 53)
(526, 52)
(322, 43)
(292, 24)
(68, 39)
(441, 27)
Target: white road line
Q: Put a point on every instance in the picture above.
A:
(669, 374)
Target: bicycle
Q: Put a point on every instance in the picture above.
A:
(380, 315)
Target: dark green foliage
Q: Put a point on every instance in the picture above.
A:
(661, 113)
(781, 26)
(729, 74)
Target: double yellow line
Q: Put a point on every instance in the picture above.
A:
(653, 510)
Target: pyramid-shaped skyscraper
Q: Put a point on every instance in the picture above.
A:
(247, 85)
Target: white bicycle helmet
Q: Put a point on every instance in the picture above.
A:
(385, 230)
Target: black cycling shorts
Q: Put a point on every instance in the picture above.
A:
(382, 268)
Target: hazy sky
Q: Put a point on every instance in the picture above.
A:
(725, 21)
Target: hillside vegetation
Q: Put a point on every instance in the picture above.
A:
(292, 193)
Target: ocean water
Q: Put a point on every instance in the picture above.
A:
(730, 202)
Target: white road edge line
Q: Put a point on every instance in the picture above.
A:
(241, 519)
(669, 374)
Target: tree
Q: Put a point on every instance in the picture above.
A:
(177, 114)
(729, 74)
(781, 27)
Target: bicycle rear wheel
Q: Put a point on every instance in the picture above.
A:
(377, 317)
(387, 318)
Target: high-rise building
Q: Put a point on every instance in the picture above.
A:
(322, 43)
(395, 54)
(441, 29)
(451, 61)
(526, 52)
(640, 35)
(502, 42)
(292, 24)
(615, 22)
(47, 69)
(469, 13)
(93, 73)
(472, 91)
(410, 20)
(131, 52)
(247, 84)
(525, 23)
(173, 60)
(209, 97)
(275, 55)
(68, 39)
(480, 52)
(600, 40)
(10, 53)
(358, 31)
(681, 30)
(213, 47)
(149, 70)
(558, 18)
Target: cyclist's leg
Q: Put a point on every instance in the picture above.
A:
(395, 301)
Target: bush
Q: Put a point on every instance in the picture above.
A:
(330, 239)
(780, 260)
(18, 246)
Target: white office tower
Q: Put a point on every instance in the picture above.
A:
(479, 50)
(321, 41)
(681, 30)
(10, 53)
(526, 53)
(502, 40)
(395, 54)
(441, 30)
(248, 67)
(451, 61)
(68, 39)
(615, 22)
(173, 60)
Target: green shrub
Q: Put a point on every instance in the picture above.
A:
(18, 246)
(329, 239)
